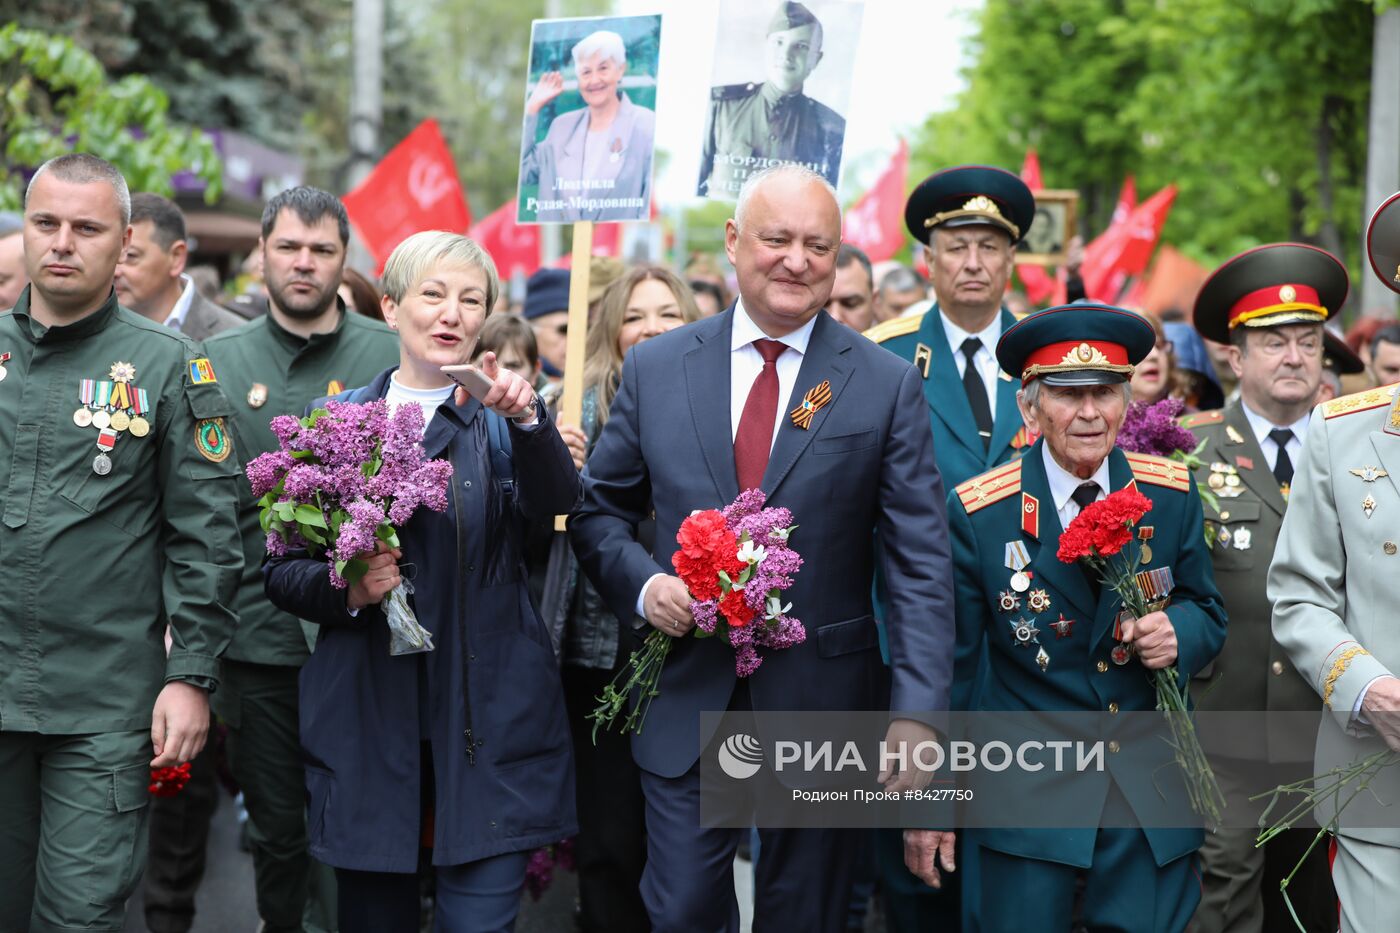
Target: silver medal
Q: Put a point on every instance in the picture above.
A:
(1020, 581)
(102, 464)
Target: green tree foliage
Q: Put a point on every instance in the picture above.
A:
(1256, 110)
(57, 98)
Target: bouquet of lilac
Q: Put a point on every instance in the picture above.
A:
(1154, 429)
(345, 478)
(736, 563)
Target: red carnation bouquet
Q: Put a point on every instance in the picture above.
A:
(1101, 537)
(736, 563)
(169, 781)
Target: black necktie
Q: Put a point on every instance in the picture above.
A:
(1283, 466)
(977, 392)
(1086, 495)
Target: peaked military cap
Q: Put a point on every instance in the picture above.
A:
(790, 15)
(1338, 357)
(1278, 283)
(970, 194)
(1076, 345)
(1383, 242)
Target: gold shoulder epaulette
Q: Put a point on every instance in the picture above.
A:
(993, 486)
(1359, 401)
(1198, 418)
(894, 327)
(1159, 471)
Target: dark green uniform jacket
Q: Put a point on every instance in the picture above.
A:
(96, 563)
(1252, 672)
(268, 371)
(752, 126)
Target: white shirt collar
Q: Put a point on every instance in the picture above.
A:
(1063, 483)
(744, 332)
(1262, 426)
(989, 335)
(176, 318)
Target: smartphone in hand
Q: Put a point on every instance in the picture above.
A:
(470, 378)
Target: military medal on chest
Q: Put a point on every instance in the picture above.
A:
(113, 406)
(4, 358)
(1017, 560)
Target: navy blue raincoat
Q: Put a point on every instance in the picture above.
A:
(488, 698)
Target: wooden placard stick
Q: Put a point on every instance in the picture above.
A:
(575, 346)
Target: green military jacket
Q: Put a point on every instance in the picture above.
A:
(268, 371)
(1252, 672)
(109, 535)
(752, 126)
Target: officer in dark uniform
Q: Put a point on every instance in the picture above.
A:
(752, 126)
(1268, 305)
(120, 487)
(1049, 641)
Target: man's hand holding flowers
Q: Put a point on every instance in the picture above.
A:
(667, 606)
(381, 577)
(1153, 638)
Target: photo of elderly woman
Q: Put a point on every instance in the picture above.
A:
(590, 120)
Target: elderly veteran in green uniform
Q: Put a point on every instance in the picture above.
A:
(969, 219)
(752, 126)
(118, 521)
(1267, 305)
(1334, 587)
(1048, 642)
(304, 348)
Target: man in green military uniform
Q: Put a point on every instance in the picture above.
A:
(752, 126)
(118, 521)
(306, 347)
(1048, 640)
(1268, 305)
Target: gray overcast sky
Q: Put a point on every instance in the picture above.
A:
(906, 67)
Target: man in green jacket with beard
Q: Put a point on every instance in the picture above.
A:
(119, 496)
(304, 348)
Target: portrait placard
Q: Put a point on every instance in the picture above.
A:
(1047, 241)
(590, 119)
(780, 88)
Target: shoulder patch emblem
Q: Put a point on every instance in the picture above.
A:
(211, 439)
(202, 371)
(990, 487)
(1196, 419)
(1359, 401)
(894, 327)
(1160, 471)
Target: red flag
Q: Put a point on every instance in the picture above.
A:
(875, 223)
(514, 247)
(1125, 248)
(1038, 282)
(415, 187)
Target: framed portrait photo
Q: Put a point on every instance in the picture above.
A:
(589, 134)
(1047, 241)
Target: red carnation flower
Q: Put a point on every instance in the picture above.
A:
(1105, 527)
(735, 610)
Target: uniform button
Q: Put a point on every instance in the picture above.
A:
(466, 484)
(1113, 708)
(1277, 667)
(1225, 516)
(1113, 747)
(471, 567)
(1103, 667)
(1388, 547)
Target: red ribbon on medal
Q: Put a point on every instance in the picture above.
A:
(107, 439)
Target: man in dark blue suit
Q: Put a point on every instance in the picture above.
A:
(704, 412)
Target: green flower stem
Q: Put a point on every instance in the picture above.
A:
(643, 674)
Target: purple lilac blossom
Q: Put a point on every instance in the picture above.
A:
(1153, 429)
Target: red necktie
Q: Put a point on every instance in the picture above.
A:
(754, 439)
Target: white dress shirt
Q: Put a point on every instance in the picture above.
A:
(984, 360)
(1262, 426)
(745, 363)
(426, 399)
(176, 318)
(1063, 484)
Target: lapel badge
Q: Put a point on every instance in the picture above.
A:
(615, 150)
(1145, 535)
(1038, 601)
(1368, 474)
(1234, 436)
(257, 395)
(1243, 538)
(1042, 657)
(1062, 626)
(811, 402)
(335, 387)
(923, 356)
(1008, 601)
(1244, 463)
(1368, 505)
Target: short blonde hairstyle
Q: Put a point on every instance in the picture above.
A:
(415, 257)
